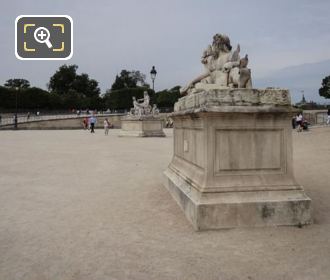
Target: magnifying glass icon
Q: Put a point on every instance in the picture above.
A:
(41, 35)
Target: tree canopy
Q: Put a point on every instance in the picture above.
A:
(17, 83)
(167, 98)
(69, 90)
(129, 79)
(66, 80)
(325, 89)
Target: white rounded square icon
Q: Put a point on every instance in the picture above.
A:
(43, 37)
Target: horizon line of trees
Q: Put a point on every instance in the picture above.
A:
(69, 90)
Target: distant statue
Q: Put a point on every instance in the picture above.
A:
(223, 67)
(145, 100)
(155, 110)
(136, 110)
(141, 106)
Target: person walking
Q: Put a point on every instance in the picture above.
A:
(328, 118)
(106, 124)
(92, 122)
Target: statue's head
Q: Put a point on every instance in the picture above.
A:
(133, 98)
(221, 42)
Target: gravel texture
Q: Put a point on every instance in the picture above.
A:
(82, 206)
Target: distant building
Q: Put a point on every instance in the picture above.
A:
(302, 102)
(311, 105)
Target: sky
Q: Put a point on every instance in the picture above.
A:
(171, 34)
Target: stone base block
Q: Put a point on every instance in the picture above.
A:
(150, 127)
(124, 133)
(209, 211)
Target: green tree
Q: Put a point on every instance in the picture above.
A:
(32, 98)
(7, 98)
(167, 98)
(28, 98)
(325, 89)
(67, 80)
(76, 91)
(17, 83)
(61, 82)
(129, 79)
(139, 78)
(86, 86)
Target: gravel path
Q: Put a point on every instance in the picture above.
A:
(77, 206)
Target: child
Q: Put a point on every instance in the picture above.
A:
(85, 123)
(106, 124)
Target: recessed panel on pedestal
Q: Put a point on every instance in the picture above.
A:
(246, 151)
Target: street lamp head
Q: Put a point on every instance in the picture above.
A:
(153, 73)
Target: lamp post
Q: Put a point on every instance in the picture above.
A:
(15, 117)
(153, 74)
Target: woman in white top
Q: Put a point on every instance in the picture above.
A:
(299, 119)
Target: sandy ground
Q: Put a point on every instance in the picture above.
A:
(89, 207)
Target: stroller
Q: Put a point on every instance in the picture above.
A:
(303, 126)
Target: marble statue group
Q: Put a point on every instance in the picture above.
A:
(142, 107)
(142, 120)
(232, 156)
(223, 68)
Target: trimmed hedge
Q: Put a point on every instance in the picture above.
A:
(121, 99)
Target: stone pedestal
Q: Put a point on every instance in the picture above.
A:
(232, 163)
(142, 127)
